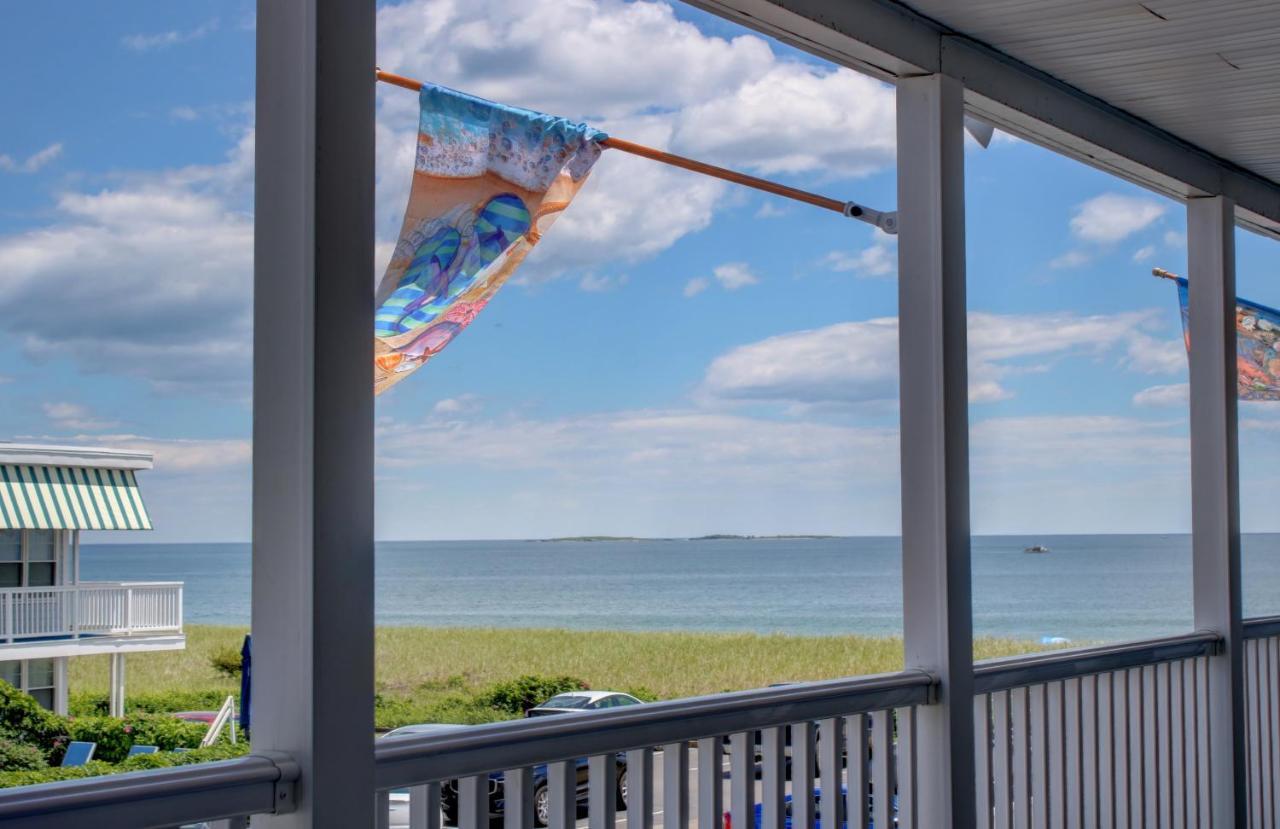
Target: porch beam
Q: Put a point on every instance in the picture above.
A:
(1215, 497)
(313, 405)
(932, 349)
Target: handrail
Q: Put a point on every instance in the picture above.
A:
(416, 759)
(1003, 674)
(253, 784)
(1262, 627)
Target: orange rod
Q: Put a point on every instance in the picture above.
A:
(679, 161)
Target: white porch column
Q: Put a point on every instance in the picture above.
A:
(932, 348)
(60, 685)
(1215, 501)
(116, 683)
(313, 404)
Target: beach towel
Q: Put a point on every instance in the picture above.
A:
(488, 181)
(1257, 346)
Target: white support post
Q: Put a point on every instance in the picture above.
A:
(313, 405)
(1215, 497)
(60, 685)
(932, 349)
(116, 691)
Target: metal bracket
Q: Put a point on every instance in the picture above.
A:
(285, 799)
(886, 221)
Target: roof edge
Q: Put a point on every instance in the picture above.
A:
(88, 456)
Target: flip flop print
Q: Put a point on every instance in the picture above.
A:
(502, 221)
(430, 261)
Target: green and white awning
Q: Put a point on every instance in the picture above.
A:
(35, 497)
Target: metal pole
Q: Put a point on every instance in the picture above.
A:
(1215, 497)
(313, 404)
(932, 349)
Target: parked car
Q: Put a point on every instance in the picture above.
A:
(817, 812)
(497, 802)
(582, 701)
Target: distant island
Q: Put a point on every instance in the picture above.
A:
(715, 537)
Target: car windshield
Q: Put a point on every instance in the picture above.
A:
(567, 701)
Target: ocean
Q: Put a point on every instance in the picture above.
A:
(1088, 588)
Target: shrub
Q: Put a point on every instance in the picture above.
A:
(518, 695)
(226, 661)
(18, 756)
(165, 759)
(23, 720)
(93, 704)
(116, 736)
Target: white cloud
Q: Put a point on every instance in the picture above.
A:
(74, 416)
(1070, 259)
(1151, 355)
(1111, 217)
(32, 163)
(769, 210)
(1156, 397)
(734, 275)
(696, 286)
(879, 259)
(462, 404)
(1174, 239)
(599, 284)
(146, 42)
(1144, 253)
(152, 278)
(857, 362)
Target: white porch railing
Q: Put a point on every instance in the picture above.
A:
(93, 608)
(1262, 719)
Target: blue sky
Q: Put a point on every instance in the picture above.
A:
(678, 357)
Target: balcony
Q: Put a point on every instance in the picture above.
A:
(90, 609)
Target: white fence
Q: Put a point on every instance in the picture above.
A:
(95, 608)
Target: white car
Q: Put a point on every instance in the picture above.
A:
(582, 701)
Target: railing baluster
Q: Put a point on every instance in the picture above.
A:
(982, 758)
(562, 792)
(424, 806)
(1106, 750)
(773, 778)
(1020, 757)
(1089, 774)
(904, 767)
(857, 798)
(1056, 750)
(830, 762)
(882, 765)
(710, 783)
(1001, 798)
(602, 787)
(1177, 748)
(1137, 743)
(1071, 732)
(742, 778)
(802, 770)
(473, 802)
(1273, 719)
(1039, 761)
(517, 799)
(639, 789)
(675, 786)
(382, 810)
(1150, 748)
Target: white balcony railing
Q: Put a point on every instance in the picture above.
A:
(90, 609)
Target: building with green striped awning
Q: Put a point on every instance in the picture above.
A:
(43, 497)
(71, 488)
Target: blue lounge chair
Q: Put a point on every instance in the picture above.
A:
(135, 750)
(78, 753)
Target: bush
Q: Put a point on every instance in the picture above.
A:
(518, 695)
(226, 661)
(116, 736)
(23, 720)
(222, 751)
(93, 704)
(18, 756)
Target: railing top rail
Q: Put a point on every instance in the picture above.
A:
(410, 760)
(108, 584)
(253, 784)
(96, 586)
(1261, 627)
(1033, 669)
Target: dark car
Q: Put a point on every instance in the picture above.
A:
(817, 812)
(497, 802)
(541, 794)
(582, 701)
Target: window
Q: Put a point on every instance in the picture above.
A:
(11, 672)
(40, 681)
(28, 558)
(10, 558)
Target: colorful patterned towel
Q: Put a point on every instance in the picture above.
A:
(488, 181)
(1257, 346)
